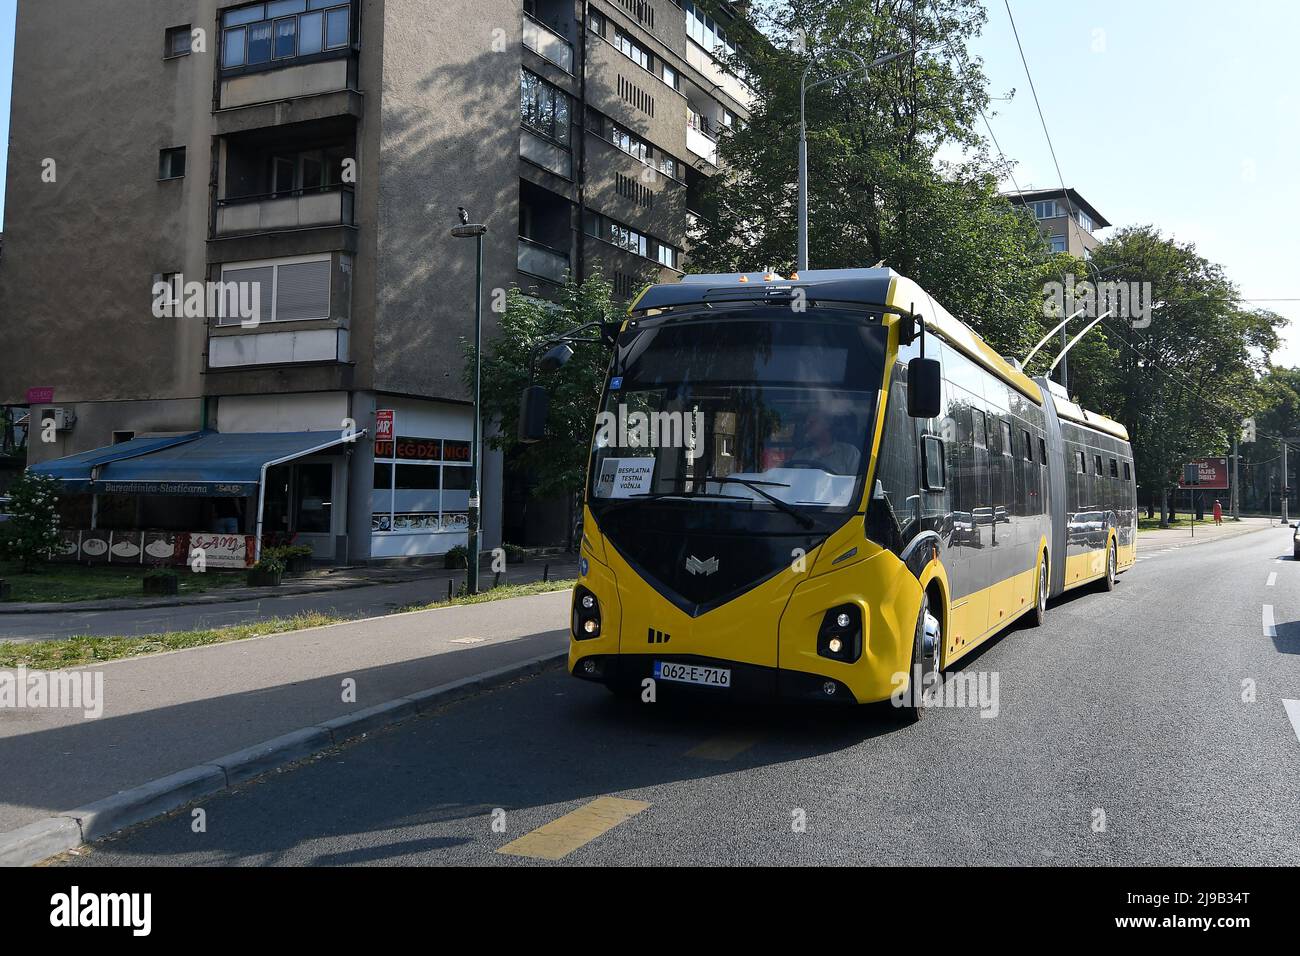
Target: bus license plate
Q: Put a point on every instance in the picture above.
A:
(693, 674)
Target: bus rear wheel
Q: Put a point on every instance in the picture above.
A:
(1112, 568)
(1040, 594)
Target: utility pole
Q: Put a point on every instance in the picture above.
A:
(1286, 485)
(476, 231)
(1236, 497)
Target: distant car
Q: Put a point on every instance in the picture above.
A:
(4, 508)
(1295, 541)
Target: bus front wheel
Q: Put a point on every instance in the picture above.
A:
(927, 649)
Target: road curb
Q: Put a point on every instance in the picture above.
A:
(46, 838)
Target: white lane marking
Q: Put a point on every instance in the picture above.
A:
(1272, 579)
(1270, 629)
(1293, 714)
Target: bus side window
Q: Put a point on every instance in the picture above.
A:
(1042, 451)
(933, 465)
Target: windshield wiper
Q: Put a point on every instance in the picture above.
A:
(757, 486)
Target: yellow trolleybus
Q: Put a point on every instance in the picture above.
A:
(826, 487)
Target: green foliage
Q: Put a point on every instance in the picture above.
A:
(161, 574)
(558, 463)
(269, 564)
(1182, 384)
(457, 557)
(877, 188)
(32, 532)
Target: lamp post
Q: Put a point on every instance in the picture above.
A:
(468, 230)
(862, 67)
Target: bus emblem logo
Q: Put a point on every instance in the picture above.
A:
(696, 566)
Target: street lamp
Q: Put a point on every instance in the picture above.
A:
(468, 230)
(862, 67)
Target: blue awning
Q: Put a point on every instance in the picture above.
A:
(210, 464)
(76, 471)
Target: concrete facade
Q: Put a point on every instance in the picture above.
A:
(366, 299)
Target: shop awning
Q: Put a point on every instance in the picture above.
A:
(77, 471)
(209, 464)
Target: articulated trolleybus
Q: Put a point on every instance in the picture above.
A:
(827, 488)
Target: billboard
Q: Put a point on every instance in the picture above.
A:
(1212, 474)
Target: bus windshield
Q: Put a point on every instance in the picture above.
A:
(741, 411)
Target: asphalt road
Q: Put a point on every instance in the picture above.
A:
(1127, 704)
(359, 602)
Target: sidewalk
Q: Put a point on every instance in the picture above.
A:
(367, 599)
(165, 713)
(314, 581)
(1205, 533)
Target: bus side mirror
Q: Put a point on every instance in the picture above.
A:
(923, 389)
(533, 407)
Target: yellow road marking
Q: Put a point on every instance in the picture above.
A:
(559, 838)
(723, 747)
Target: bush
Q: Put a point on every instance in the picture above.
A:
(457, 557)
(32, 532)
(270, 564)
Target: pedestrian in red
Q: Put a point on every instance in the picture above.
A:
(1218, 512)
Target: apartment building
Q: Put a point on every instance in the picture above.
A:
(312, 155)
(1067, 220)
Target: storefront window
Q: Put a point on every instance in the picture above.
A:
(421, 486)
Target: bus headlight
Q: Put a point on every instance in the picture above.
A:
(586, 614)
(840, 636)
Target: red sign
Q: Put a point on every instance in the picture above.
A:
(1211, 472)
(419, 449)
(384, 433)
(40, 395)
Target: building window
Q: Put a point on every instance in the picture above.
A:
(978, 426)
(1128, 473)
(671, 78)
(1096, 460)
(1029, 447)
(616, 233)
(632, 145)
(1057, 243)
(1081, 464)
(294, 290)
(1042, 452)
(1083, 219)
(667, 256)
(171, 163)
(1045, 209)
(284, 30)
(545, 108)
(178, 42)
(1114, 468)
(704, 31)
(421, 486)
(597, 23)
(631, 49)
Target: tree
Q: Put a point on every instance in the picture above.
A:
(1181, 384)
(557, 465)
(878, 191)
(32, 531)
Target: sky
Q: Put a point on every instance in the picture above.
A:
(1183, 114)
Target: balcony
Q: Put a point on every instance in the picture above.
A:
(545, 153)
(295, 209)
(542, 261)
(728, 82)
(701, 144)
(548, 44)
